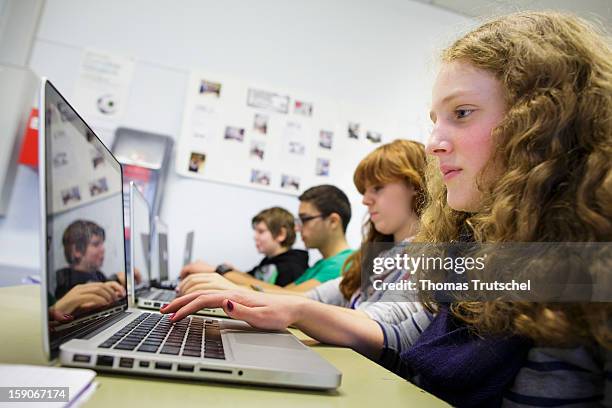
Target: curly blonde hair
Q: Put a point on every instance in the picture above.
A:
(400, 160)
(554, 145)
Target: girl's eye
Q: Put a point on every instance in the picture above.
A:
(377, 188)
(463, 113)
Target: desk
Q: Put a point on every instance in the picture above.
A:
(364, 383)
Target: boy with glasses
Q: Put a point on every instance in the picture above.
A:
(323, 216)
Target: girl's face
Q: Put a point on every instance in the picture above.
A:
(467, 104)
(390, 207)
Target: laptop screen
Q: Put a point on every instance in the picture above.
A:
(140, 237)
(83, 208)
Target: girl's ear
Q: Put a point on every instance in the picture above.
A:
(413, 197)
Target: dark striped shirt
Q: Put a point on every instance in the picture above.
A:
(554, 377)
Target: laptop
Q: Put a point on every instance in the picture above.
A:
(148, 294)
(159, 251)
(83, 243)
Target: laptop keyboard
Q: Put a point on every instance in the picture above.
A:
(165, 296)
(154, 333)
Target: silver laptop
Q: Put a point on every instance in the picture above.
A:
(82, 245)
(150, 294)
(160, 231)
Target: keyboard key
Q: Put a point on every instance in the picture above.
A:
(215, 356)
(122, 346)
(170, 350)
(148, 349)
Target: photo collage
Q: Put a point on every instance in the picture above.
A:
(241, 134)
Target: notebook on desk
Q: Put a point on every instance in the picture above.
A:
(83, 250)
(36, 386)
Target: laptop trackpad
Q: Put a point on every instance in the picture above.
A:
(268, 340)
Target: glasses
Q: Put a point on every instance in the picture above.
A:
(303, 219)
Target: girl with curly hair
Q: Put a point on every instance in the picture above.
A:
(521, 147)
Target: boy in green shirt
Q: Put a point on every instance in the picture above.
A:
(325, 269)
(323, 216)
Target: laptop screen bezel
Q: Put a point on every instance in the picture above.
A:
(43, 159)
(136, 194)
(160, 228)
(188, 252)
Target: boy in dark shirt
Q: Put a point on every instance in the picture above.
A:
(274, 234)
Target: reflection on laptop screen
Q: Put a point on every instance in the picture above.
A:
(85, 254)
(140, 234)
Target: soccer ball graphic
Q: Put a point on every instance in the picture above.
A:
(107, 104)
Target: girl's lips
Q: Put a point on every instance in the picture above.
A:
(450, 174)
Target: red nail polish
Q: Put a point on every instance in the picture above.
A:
(230, 305)
(68, 316)
(171, 316)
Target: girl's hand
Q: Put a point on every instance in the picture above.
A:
(264, 311)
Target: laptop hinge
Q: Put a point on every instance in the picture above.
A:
(93, 330)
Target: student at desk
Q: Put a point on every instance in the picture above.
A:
(274, 235)
(324, 214)
(391, 180)
(521, 110)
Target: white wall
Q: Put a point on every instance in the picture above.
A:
(19, 226)
(19, 230)
(18, 23)
(374, 55)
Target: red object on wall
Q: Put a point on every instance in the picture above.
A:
(29, 148)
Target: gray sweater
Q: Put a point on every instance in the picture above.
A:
(392, 309)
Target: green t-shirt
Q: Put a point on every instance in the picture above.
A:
(325, 269)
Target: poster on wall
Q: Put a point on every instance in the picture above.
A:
(103, 86)
(265, 138)
(267, 100)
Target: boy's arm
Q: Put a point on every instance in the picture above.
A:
(291, 289)
(242, 278)
(248, 280)
(302, 287)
